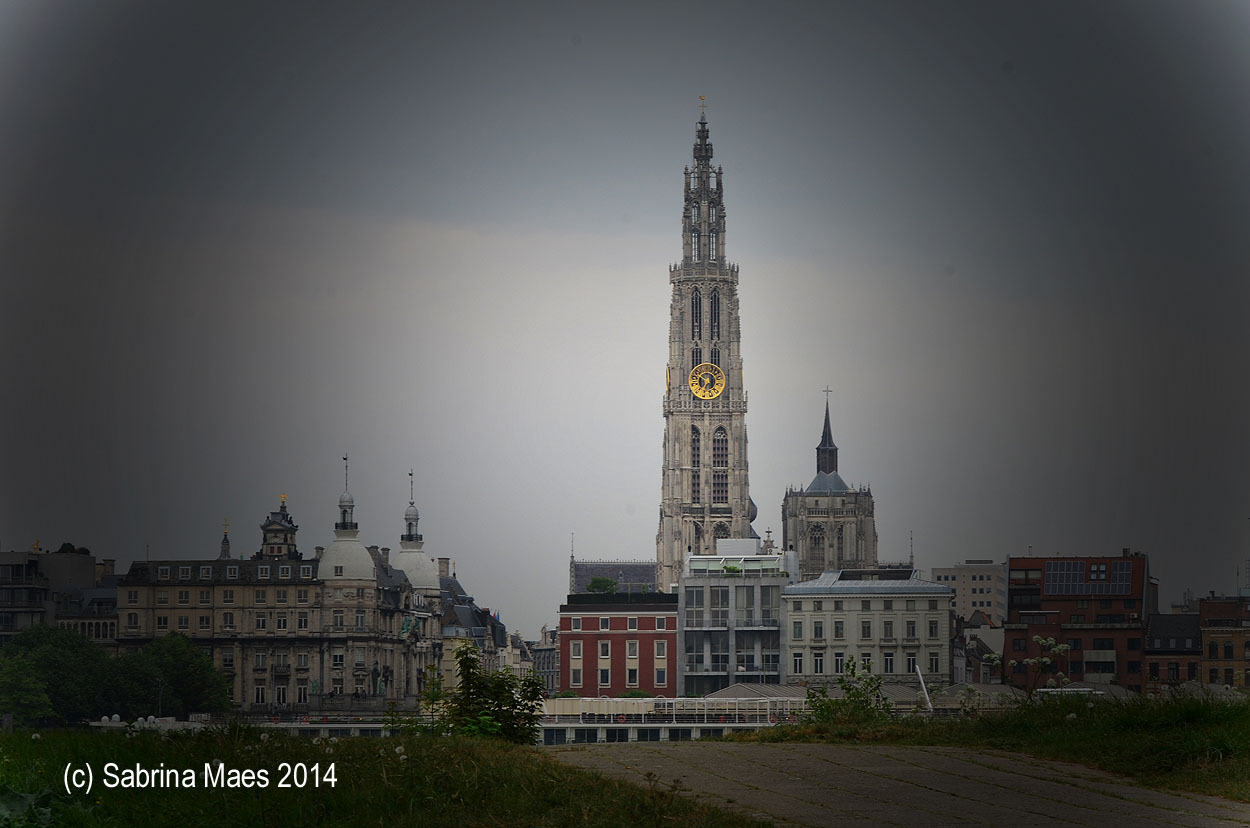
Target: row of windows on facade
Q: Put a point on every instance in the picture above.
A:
(1213, 650)
(631, 649)
(183, 596)
(865, 630)
(865, 605)
(997, 578)
(887, 663)
(261, 621)
(605, 623)
(696, 319)
(631, 677)
(260, 595)
(232, 572)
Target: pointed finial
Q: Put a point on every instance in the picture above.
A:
(225, 526)
(345, 472)
(282, 497)
(702, 106)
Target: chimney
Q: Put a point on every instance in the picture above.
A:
(318, 551)
(444, 567)
(386, 555)
(373, 553)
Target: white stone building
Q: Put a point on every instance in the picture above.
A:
(890, 619)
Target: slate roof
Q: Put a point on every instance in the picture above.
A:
(827, 483)
(1169, 633)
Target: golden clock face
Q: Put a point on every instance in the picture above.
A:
(707, 381)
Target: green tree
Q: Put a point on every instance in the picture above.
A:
(601, 585)
(22, 693)
(862, 700)
(185, 679)
(500, 704)
(71, 668)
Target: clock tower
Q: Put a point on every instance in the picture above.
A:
(704, 494)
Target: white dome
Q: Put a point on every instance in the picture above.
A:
(346, 501)
(349, 553)
(420, 568)
(411, 512)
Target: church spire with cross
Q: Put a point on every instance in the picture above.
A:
(827, 452)
(704, 493)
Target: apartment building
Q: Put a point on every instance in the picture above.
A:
(979, 584)
(1097, 606)
(613, 643)
(889, 619)
(1225, 625)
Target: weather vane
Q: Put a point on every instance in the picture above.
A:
(225, 525)
(702, 105)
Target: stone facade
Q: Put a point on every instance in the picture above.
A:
(891, 619)
(292, 634)
(704, 489)
(829, 524)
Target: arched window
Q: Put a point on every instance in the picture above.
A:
(696, 312)
(716, 356)
(715, 314)
(721, 530)
(816, 545)
(720, 487)
(694, 244)
(720, 448)
(1213, 650)
(696, 447)
(696, 357)
(711, 247)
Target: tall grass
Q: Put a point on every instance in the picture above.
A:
(1198, 744)
(404, 781)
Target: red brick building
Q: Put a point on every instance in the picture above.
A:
(1097, 606)
(611, 644)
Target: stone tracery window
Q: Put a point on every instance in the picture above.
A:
(696, 305)
(715, 311)
(720, 448)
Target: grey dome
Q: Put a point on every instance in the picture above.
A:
(349, 553)
(346, 501)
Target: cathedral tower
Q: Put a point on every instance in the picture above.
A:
(704, 493)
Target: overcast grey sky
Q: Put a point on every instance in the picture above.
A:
(238, 240)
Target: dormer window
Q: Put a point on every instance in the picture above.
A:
(162, 573)
(184, 573)
(232, 572)
(284, 572)
(262, 572)
(338, 572)
(305, 571)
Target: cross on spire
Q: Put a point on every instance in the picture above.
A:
(827, 391)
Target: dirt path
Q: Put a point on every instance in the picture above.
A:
(850, 787)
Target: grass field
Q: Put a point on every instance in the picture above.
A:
(1201, 745)
(400, 781)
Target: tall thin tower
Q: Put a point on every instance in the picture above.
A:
(704, 493)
